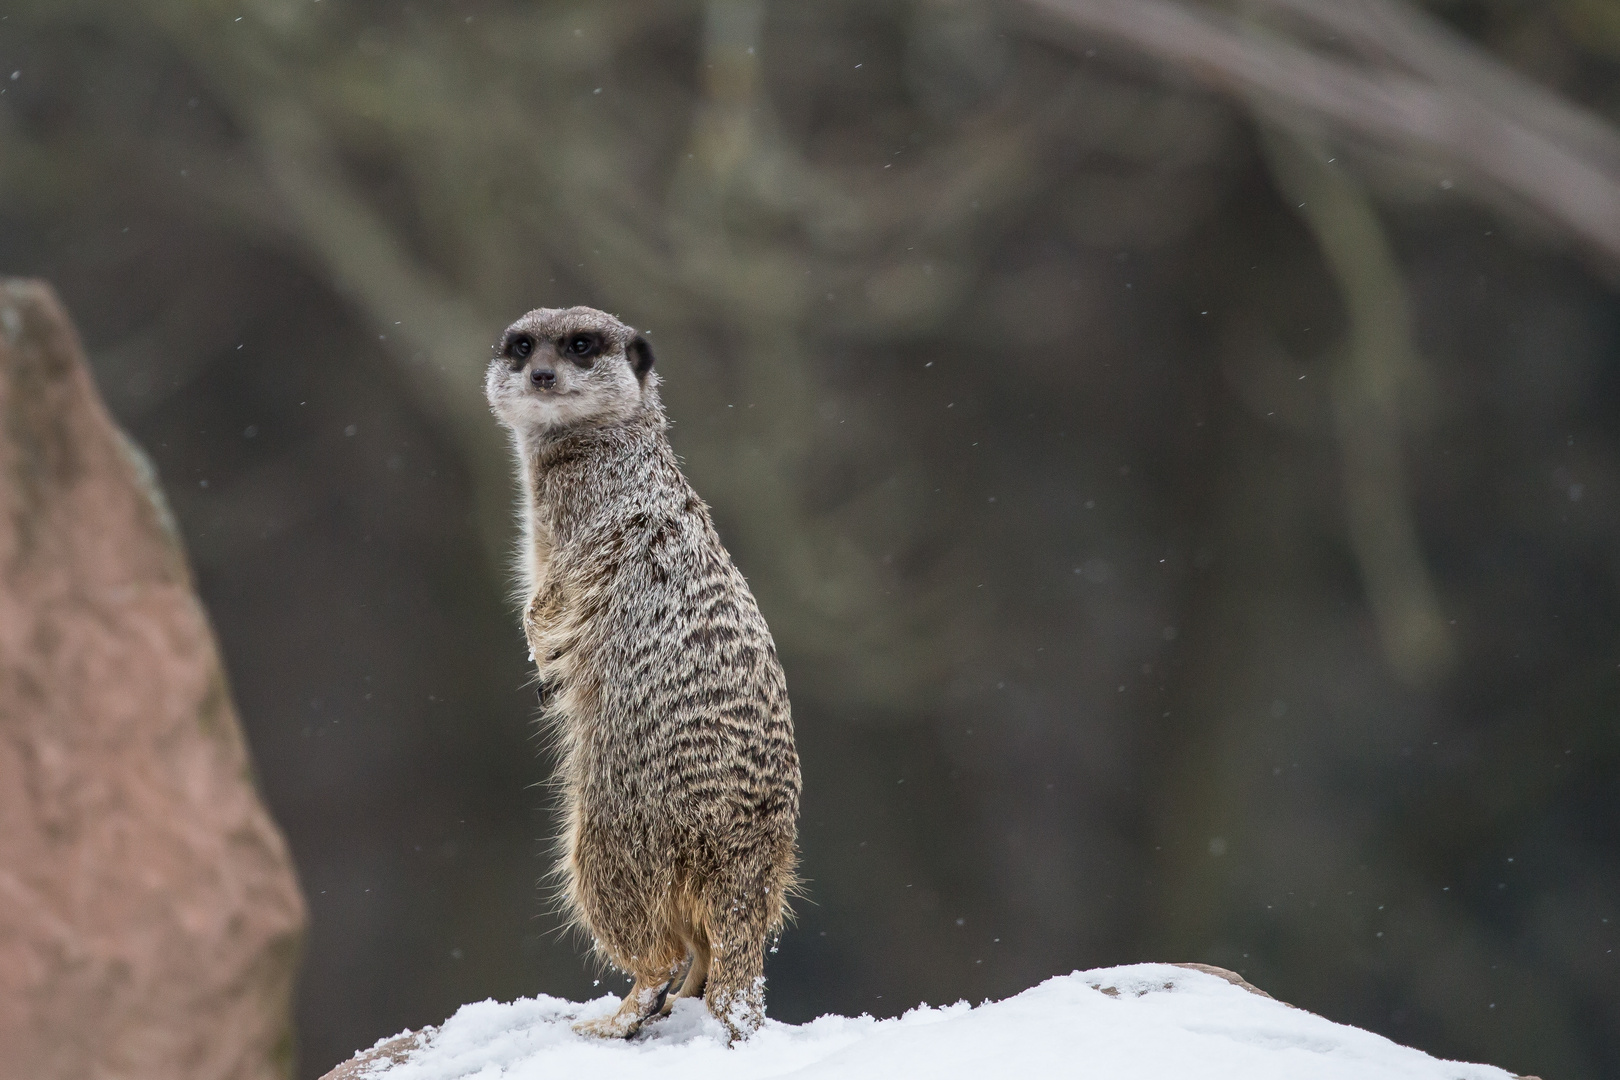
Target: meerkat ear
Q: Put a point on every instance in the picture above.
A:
(640, 354)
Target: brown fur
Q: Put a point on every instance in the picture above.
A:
(679, 778)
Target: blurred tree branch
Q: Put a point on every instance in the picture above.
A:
(1466, 110)
(699, 204)
(1393, 34)
(1418, 86)
(440, 332)
(1377, 361)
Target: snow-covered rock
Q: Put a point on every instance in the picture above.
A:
(1144, 1022)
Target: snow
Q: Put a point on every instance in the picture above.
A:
(1143, 1022)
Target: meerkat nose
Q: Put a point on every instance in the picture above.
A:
(544, 378)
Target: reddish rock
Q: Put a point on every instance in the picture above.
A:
(1230, 976)
(382, 1057)
(149, 916)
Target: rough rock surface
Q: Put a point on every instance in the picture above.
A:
(149, 916)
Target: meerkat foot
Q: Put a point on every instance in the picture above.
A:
(615, 1026)
(740, 1009)
(735, 989)
(645, 999)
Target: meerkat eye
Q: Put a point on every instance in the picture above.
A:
(582, 346)
(520, 347)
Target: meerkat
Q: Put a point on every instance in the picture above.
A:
(661, 684)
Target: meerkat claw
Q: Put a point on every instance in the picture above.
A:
(663, 996)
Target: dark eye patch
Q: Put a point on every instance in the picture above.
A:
(518, 348)
(582, 347)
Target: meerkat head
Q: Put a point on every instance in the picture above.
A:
(558, 368)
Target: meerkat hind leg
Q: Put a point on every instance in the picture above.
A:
(696, 974)
(645, 999)
(735, 990)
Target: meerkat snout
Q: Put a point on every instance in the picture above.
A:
(544, 378)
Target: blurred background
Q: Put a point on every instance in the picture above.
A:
(1176, 446)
